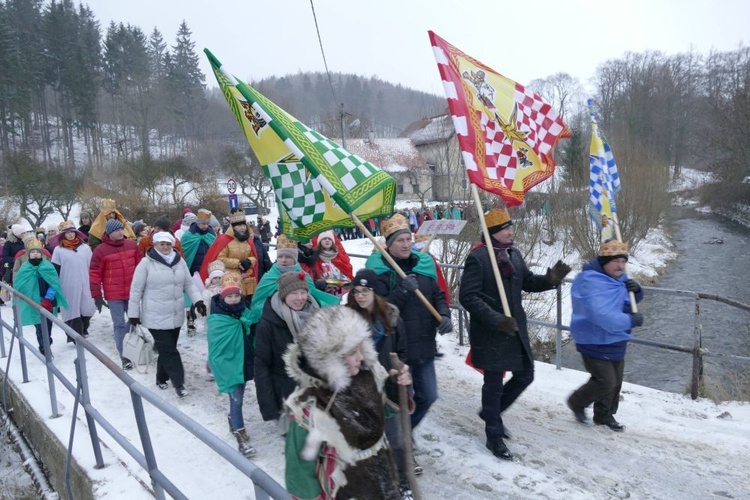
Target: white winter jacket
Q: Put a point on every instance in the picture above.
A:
(156, 294)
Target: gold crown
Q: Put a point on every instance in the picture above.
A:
(283, 242)
(204, 215)
(497, 217)
(395, 223)
(216, 265)
(613, 247)
(41, 230)
(66, 224)
(230, 279)
(108, 206)
(238, 218)
(33, 244)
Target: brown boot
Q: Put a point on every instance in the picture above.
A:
(243, 443)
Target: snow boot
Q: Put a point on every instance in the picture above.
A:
(243, 443)
(190, 324)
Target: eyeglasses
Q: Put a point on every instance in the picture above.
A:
(363, 292)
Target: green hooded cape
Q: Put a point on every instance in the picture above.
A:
(226, 349)
(27, 282)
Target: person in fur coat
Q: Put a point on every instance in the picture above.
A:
(336, 446)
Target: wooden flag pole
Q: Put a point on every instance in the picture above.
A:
(403, 405)
(633, 305)
(395, 267)
(488, 241)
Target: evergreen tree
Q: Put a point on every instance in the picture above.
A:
(187, 85)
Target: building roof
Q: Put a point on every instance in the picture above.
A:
(391, 155)
(430, 130)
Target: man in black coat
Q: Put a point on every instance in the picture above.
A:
(500, 342)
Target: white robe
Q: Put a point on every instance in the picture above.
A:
(74, 280)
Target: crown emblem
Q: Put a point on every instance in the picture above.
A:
(108, 206)
(33, 244)
(66, 224)
(238, 218)
(216, 265)
(204, 215)
(283, 242)
(230, 279)
(395, 223)
(613, 247)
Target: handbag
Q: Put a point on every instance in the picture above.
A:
(138, 346)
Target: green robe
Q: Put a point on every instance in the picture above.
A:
(27, 282)
(268, 287)
(226, 349)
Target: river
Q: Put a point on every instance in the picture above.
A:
(713, 258)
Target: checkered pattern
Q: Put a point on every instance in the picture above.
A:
(300, 194)
(601, 186)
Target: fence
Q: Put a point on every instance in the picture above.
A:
(265, 486)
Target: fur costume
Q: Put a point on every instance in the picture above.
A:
(336, 445)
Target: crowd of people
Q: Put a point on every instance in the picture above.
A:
(317, 338)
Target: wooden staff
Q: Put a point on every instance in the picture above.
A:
(395, 267)
(403, 404)
(618, 236)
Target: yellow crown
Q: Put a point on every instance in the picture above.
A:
(613, 247)
(216, 265)
(33, 244)
(238, 218)
(204, 215)
(395, 223)
(108, 206)
(497, 217)
(283, 242)
(66, 224)
(40, 230)
(230, 279)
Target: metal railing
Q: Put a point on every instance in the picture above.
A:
(265, 486)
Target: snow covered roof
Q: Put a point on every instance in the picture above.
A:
(430, 130)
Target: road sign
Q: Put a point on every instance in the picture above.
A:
(231, 186)
(233, 203)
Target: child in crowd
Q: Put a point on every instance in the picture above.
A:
(213, 282)
(230, 353)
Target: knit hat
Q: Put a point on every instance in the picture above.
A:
(163, 223)
(230, 283)
(291, 281)
(51, 227)
(18, 230)
(393, 228)
(215, 223)
(327, 234)
(369, 278)
(113, 225)
(138, 226)
(204, 216)
(216, 269)
(497, 219)
(162, 236)
(611, 250)
(189, 218)
(285, 246)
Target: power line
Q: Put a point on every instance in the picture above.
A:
(320, 41)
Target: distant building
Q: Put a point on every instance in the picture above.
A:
(401, 160)
(435, 139)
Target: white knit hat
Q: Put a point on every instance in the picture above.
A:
(163, 236)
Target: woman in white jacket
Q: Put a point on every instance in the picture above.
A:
(156, 301)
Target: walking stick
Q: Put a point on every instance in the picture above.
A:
(403, 404)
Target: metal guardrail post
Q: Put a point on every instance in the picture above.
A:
(47, 363)
(148, 448)
(85, 401)
(558, 336)
(19, 334)
(696, 379)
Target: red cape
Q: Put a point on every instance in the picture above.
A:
(341, 261)
(215, 249)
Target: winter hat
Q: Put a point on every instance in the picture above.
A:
(216, 269)
(230, 283)
(52, 227)
(368, 278)
(138, 226)
(327, 234)
(497, 219)
(66, 225)
(189, 218)
(215, 223)
(291, 281)
(285, 246)
(163, 223)
(327, 338)
(18, 230)
(113, 225)
(393, 228)
(204, 216)
(611, 250)
(162, 236)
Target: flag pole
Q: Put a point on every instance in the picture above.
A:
(395, 267)
(633, 304)
(488, 241)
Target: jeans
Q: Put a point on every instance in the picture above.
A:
(395, 439)
(425, 389)
(602, 389)
(118, 309)
(496, 398)
(235, 407)
(39, 338)
(169, 362)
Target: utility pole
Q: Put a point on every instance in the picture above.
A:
(343, 131)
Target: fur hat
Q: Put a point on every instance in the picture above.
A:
(327, 338)
(216, 269)
(611, 250)
(204, 216)
(291, 281)
(113, 225)
(285, 246)
(230, 283)
(33, 244)
(163, 223)
(18, 230)
(497, 219)
(189, 218)
(394, 227)
(162, 236)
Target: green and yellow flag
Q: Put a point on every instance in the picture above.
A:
(317, 183)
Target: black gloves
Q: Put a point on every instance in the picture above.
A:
(321, 284)
(410, 283)
(636, 319)
(445, 326)
(556, 273)
(99, 303)
(201, 308)
(508, 325)
(633, 286)
(134, 321)
(245, 264)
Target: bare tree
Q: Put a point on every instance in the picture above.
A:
(247, 172)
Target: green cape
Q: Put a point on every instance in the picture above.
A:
(191, 241)
(425, 266)
(27, 282)
(226, 349)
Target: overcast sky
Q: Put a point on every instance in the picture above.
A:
(388, 38)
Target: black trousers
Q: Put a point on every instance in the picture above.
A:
(496, 397)
(80, 325)
(169, 362)
(602, 389)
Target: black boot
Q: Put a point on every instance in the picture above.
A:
(498, 448)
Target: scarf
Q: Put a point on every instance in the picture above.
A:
(378, 330)
(328, 255)
(168, 259)
(502, 252)
(294, 320)
(70, 244)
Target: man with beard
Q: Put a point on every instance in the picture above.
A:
(196, 241)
